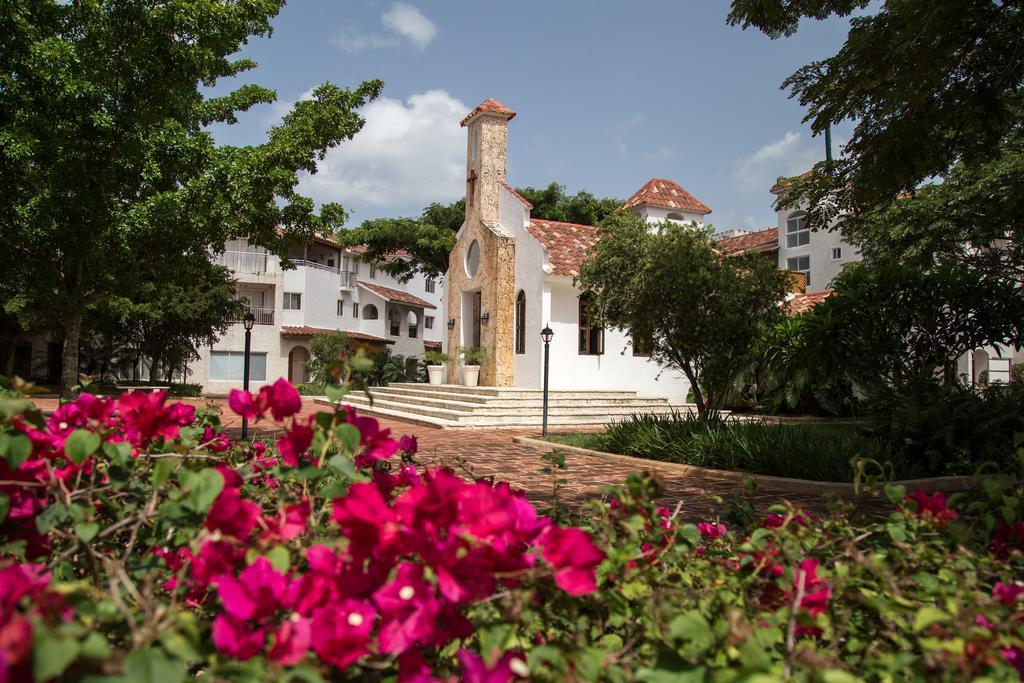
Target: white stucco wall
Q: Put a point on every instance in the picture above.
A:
(527, 367)
(616, 369)
(658, 214)
(823, 267)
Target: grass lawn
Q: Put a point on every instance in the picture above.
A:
(815, 451)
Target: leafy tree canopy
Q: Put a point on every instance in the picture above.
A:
(698, 312)
(553, 204)
(928, 84)
(106, 164)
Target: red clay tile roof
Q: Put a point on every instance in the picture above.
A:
(567, 244)
(764, 241)
(490, 106)
(661, 192)
(307, 331)
(783, 183)
(398, 296)
(431, 345)
(802, 303)
(516, 194)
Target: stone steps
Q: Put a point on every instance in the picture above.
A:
(459, 406)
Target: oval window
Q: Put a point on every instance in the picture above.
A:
(472, 258)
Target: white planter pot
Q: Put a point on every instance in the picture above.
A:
(436, 374)
(470, 375)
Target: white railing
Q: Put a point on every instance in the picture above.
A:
(263, 315)
(314, 264)
(260, 263)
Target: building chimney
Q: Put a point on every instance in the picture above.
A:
(486, 158)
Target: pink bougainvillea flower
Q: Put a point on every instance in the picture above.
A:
(376, 443)
(366, 521)
(574, 557)
(408, 444)
(1015, 658)
(291, 641)
(816, 593)
(79, 413)
(146, 417)
(410, 612)
(341, 632)
(1007, 538)
(712, 530)
(510, 666)
(236, 638)
(231, 515)
(282, 398)
(289, 522)
(242, 403)
(214, 442)
(294, 444)
(257, 592)
(1008, 594)
(933, 507)
(777, 521)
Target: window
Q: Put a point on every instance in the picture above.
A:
(675, 217)
(292, 301)
(999, 371)
(472, 258)
(341, 308)
(800, 264)
(428, 322)
(797, 232)
(591, 336)
(394, 323)
(369, 312)
(431, 285)
(521, 322)
(373, 270)
(414, 325)
(229, 366)
(355, 310)
(330, 263)
(837, 253)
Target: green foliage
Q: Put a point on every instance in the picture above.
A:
(701, 313)
(473, 355)
(553, 204)
(325, 352)
(310, 389)
(144, 183)
(819, 452)
(436, 358)
(427, 245)
(947, 428)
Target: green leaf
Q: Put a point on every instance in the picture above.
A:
(95, 646)
(51, 654)
(162, 470)
(896, 532)
(119, 452)
(838, 676)
(279, 558)
(5, 506)
(929, 615)
(203, 488)
(349, 436)
(81, 444)
(335, 393)
(87, 530)
(342, 464)
(895, 493)
(694, 631)
(153, 666)
(15, 448)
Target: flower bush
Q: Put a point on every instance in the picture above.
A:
(139, 542)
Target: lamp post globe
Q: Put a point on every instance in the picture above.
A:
(248, 320)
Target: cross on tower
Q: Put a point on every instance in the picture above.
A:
(471, 179)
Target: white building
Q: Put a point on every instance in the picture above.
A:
(331, 288)
(510, 275)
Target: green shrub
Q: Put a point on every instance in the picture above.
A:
(819, 451)
(473, 355)
(310, 389)
(325, 352)
(436, 358)
(182, 390)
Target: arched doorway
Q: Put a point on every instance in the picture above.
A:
(297, 359)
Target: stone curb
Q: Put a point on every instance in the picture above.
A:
(804, 486)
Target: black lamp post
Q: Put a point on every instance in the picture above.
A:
(248, 320)
(546, 334)
(451, 324)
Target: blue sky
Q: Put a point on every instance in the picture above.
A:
(609, 94)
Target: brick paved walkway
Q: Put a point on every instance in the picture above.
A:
(489, 452)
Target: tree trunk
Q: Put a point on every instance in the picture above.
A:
(154, 369)
(69, 356)
(698, 397)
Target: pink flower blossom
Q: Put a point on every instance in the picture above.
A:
(341, 632)
(932, 507)
(366, 521)
(776, 521)
(231, 515)
(249, 603)
(408, 444)
(574, 557)
(816, 593)
(1008, 594)
(215, 443)
(712, 530)
(294, 444)
(282, 398)
(242, 403)
(509, 666)
(376, 443)
(236, 638)
(410, 612)
(289, 522)
(146, 417)
(292, 640)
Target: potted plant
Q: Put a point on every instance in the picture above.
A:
(472, 358)
(435, 361)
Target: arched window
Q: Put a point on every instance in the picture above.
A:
(797, 232)
(521, 322)
(591, 335)
(414, 325)
(369, 312)
(675, 217)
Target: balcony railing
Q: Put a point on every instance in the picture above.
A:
(263, 315)
(348, 279)
(248, 262)
(299, 263)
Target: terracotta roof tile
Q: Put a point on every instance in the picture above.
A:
(489, 106)
(395, 295)
(764, 241)
(802, 303)
(567, 244)
(665, 193)
(516, 194)
(431, 345)
(782, 183)
(307, 331)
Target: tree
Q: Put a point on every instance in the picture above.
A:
(700, 313)
(891, 323)
(930, 85)
(553, 204)
(143, 178)
(326, 352)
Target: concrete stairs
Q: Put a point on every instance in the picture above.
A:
(454, 405)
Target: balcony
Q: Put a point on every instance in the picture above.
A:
(263, 315)
(348, 279)
(255, 263)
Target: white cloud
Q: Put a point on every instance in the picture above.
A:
(663, 153)
(407, 21)
(790, 155)
(402, 21)
(620, 144)
(408, 155)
